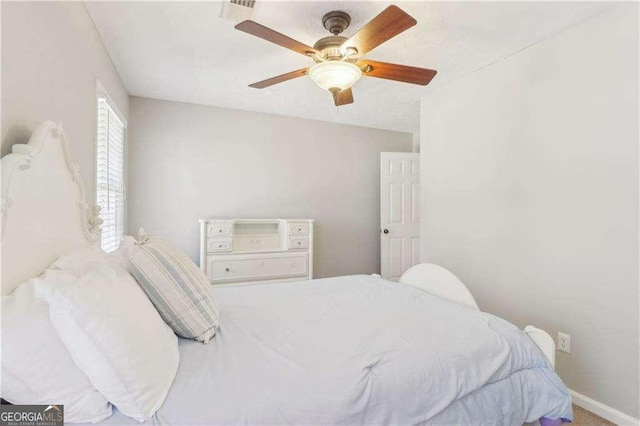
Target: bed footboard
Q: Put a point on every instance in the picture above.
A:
(437, 280)
(441, 282)
(544, 342)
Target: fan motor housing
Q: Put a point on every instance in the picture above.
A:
(330, 46)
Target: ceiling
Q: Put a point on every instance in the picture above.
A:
(184, 51)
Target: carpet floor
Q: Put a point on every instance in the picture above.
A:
(583, 417)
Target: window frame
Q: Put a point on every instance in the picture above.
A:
(102, 94)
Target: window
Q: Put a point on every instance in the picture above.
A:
(110, 189)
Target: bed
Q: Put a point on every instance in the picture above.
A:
(346, 350)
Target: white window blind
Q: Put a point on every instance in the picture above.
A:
(110, 189)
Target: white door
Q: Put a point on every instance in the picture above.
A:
(399, 212)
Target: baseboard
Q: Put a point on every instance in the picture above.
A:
(604, 411)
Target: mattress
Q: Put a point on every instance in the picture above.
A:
(358, 350)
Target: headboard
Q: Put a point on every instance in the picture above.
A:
(44, 209)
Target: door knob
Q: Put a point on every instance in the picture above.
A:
(386, 231)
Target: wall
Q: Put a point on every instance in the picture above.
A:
(530, 194)
(188, 161)
(51, 57)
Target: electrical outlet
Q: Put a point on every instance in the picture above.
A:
(564, 342)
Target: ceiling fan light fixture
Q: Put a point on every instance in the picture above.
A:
(335, 75)
(339, 60)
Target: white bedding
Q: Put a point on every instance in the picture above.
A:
(358, 350)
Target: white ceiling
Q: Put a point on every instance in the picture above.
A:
(184, 51)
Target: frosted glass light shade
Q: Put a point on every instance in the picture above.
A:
(335, 75)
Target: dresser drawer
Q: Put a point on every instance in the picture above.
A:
(298, 243)
(233, 269)
(219, 229)
(218, 245)
(298, 228)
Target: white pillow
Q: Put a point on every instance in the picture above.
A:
(36, 366)
(116, 336)
(81, 262)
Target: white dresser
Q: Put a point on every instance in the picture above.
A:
(256, 250)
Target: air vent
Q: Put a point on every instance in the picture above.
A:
(246, 3)
(238, 10)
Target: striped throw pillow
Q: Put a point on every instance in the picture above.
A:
(176, 286)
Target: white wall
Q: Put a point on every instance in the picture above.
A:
(530, 194)
(188, 161)
(51, 57)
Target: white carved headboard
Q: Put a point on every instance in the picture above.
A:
(45, 213)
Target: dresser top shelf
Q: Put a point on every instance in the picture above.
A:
(217, 219)
(256, 251)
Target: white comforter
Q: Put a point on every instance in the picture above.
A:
(358, 350)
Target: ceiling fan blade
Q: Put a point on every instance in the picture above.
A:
(279, 79)
(397, 72)
(343, 98)
(268, 34)
(388, 24)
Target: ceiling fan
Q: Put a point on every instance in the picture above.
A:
(338, 60)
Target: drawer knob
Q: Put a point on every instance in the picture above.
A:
(226, 269)
(219, 245)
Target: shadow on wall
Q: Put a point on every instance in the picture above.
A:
(15, 134)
